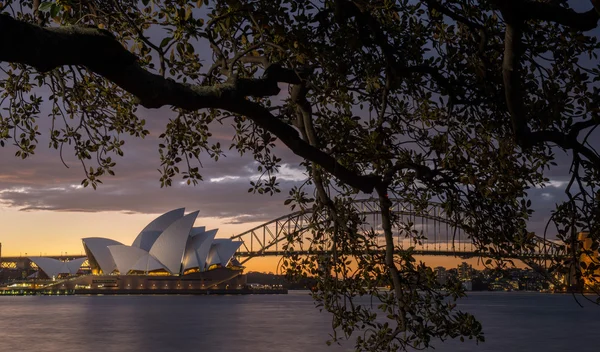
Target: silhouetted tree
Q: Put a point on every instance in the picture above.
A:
(461, 102)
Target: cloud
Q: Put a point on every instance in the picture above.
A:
(136, 189)
(224, 178)
(557, 183)
(42, 182)
(221, 200)
(285, 173)
(288, 173)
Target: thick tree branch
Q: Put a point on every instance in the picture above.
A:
(582, 125)
(565, 141)
(386, 223)
(511, 77)
(514, 100)
(290, 137)
(46, 49)
(533, 10)
(585, 21)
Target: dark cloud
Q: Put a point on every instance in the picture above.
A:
(42, 182)
(225, 199)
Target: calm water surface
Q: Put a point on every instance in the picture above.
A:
(512, 322)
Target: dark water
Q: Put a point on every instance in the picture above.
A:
(513, 322)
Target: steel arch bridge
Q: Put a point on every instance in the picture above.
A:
(444, 236)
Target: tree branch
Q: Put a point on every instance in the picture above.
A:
(514, 101)
(511, 77)
(564, 141)
(46, 49)
(525, 10)
(584, 21)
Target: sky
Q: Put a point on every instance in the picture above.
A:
(44, 210)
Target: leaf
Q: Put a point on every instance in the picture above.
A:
(165, 41)
(54, 10)
(45, 6)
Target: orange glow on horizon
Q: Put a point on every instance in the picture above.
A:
(36, 233)
(53, 232)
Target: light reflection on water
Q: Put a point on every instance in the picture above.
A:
(512, 322)
(163, 323)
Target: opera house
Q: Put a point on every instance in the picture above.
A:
(169, 254)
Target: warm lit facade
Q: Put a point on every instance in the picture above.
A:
(54, 268)
(169, 245)
(168, 254)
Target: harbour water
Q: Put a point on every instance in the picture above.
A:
(254, 323)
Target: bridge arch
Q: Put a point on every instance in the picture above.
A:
(444, 236)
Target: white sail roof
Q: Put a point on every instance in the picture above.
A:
(125, 257)
(75, 264)
(213, 256)
(197, 250)
(222, 250)
(147, 263)
(197, 231)
(53, 267)
(170, 243)
(152, 231)
(190, 260)
(211, 233)
(98, 247)
(169, 248)
(226, 249)
(146, 239)
(204, 249)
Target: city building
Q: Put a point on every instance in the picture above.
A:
(441, 274)
(589, 261)
(464, 271)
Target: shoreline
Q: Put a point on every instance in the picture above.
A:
(146, 292)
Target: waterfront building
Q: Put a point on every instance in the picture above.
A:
(168, 254)
(54, 268)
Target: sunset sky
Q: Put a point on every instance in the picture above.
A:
(44, 210)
